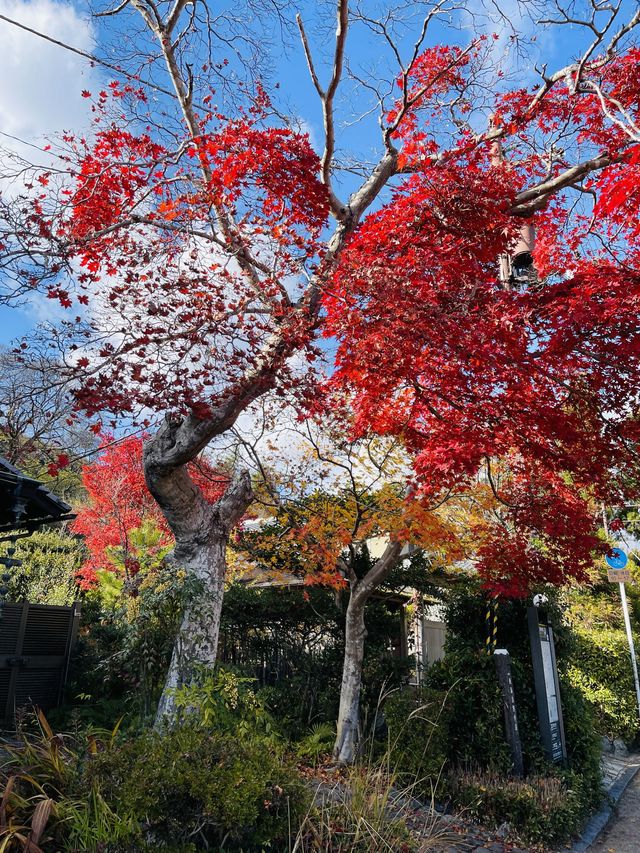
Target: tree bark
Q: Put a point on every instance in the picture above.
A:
(196, 644)
(344, 750)
(201, 531)
(348, 726)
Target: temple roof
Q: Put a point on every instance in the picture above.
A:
(34, 503)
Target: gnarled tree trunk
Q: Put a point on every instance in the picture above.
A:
(201, 530)
(203, 559)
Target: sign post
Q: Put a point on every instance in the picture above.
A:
(545, 672)
(503, 669)
(617, 560)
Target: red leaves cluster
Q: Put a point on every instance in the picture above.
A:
(119, 502)
(105, 192)
(191, 258)
(62, 460)
(544, 377)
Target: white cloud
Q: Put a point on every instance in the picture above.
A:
(41, 83)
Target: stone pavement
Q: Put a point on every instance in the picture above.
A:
(615, 764)
(622, 834)
(619, 770)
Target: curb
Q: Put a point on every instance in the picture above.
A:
(598, 822)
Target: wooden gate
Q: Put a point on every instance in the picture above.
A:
(35, 645)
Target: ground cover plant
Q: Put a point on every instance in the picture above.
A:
(223, 777)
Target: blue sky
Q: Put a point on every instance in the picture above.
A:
(40, 84)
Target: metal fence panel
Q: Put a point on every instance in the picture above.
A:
(35, 645)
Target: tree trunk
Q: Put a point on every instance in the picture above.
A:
(348, 727)
(204, 562)
(201, 531)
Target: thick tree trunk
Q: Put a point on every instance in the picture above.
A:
(348, 727)
(201, 530)
(204, 561)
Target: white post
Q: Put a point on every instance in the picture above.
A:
(627, 625)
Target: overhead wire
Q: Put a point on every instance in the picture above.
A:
(86, 55)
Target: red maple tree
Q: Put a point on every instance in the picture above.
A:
(538, 369)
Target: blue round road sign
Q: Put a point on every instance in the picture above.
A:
(617, 559)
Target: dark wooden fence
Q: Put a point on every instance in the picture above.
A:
(35, 645)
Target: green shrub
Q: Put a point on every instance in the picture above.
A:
(318, 743)
(583, 773)
(601, 670)
(50, 560)
(221, 778)
(124, 647)
(472, 721)
(221, 775)
(222, 699)
(543, 809)
(209, 787)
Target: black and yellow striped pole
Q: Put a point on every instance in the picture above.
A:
(491, 618)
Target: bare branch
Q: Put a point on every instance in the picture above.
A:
(532, 199)
(309, 57)
(113, 11)
(174, 14)
(327, 97)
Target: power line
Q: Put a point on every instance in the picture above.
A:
(90, 56)
(30, 144)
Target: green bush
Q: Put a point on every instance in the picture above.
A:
(124, 647)
(50, 559)
(208, 787)
(221, 778)
(598, 662)
(472, 721)
(601, 670)
(317, 744)
(543, 809)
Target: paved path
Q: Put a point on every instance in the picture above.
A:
(622, 835)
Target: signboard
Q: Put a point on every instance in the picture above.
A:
(547, 687)
(619, 575)
(616, 558)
